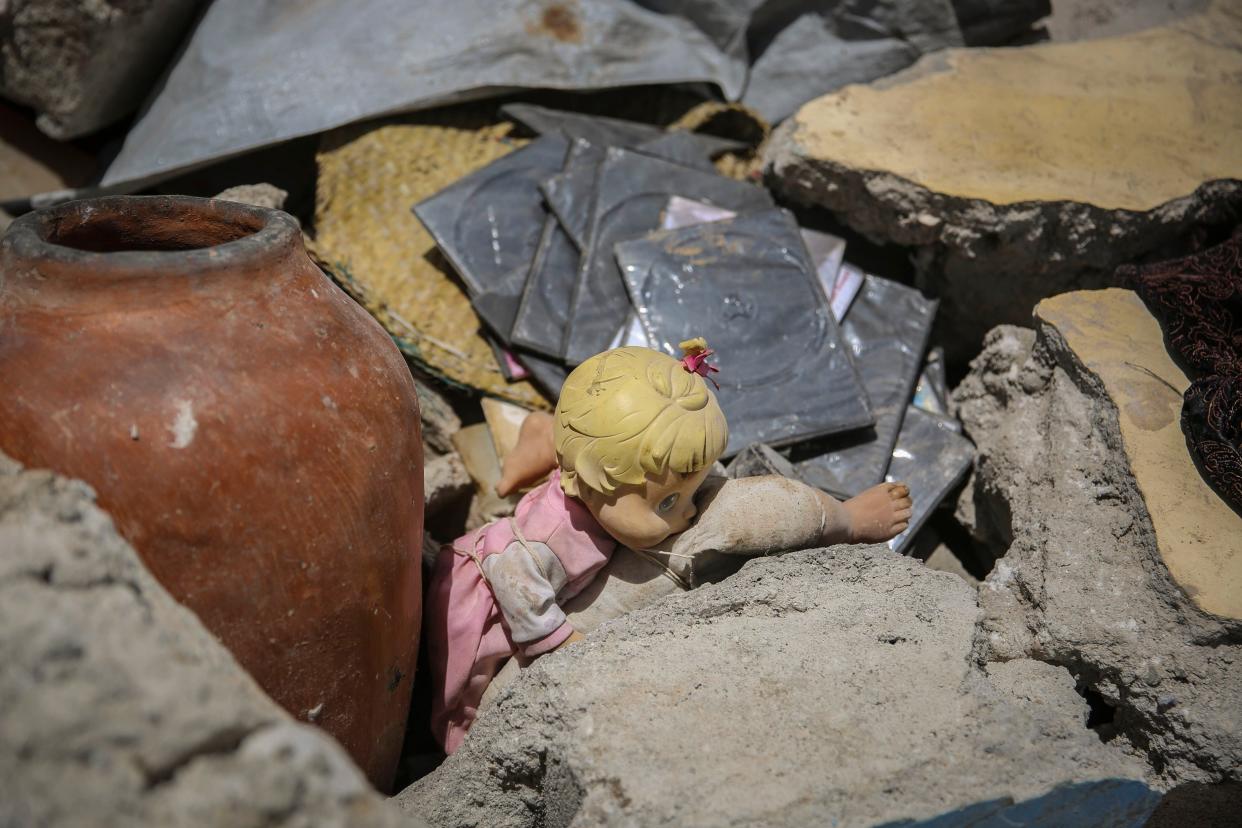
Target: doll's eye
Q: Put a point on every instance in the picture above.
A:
(668, 503)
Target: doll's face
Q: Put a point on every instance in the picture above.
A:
(641, 516)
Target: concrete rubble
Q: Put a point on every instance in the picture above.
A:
(84, 66)
(828, 686)
(257, 195)
(445, 480)
(1008, 175)
(118, 708)
(1092, 678)
(1102, 575)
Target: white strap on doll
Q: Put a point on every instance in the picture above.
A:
(473, 554)
(655, 559)
(525, 544)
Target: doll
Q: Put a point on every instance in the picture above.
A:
(634, 436)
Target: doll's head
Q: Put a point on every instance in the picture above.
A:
(636, 433)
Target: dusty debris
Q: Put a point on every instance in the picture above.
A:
(445, 482)
(1093, 540)
(942, 559)
(739, 672)
(1090, 19)
(1037, 192)
(83, 66)
(1199, 536)
(478, 453)
(257, 195)
(100, 662)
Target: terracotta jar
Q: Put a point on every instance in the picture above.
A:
(252, 431)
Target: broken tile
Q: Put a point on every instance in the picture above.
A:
(631, 192)
(747, 285)
(759, 459)
(932, 459)
(488, 225)
(886, 330)
(543, 312)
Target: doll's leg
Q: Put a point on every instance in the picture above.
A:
(878, 514)
(532, 457)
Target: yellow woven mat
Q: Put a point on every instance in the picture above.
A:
(370, 175)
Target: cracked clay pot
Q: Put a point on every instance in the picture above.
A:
(252, 431)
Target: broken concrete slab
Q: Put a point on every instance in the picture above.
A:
(1045, 188)
(445, 481)
(760, 458)
(259, 195)
(1087, 19)
(118, 707)
(1199, 536)
(83, 66)
(734, 704)
(440, 422)
(1066, 482)
(942, 559)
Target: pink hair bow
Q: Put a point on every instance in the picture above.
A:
(695, 362)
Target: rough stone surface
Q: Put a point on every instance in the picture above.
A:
(85, 65)
(1142, 156)
(445, 482)
(822, 687)
(1083, 585)
(1198, 535)
(118, 708)
(258, 195)
(440, 421)
(1087, 19)
(942, 559)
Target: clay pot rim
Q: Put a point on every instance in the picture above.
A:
(274, 232)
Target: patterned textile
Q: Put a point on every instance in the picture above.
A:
(1198, 301)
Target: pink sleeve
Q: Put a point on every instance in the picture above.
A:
(549, 642)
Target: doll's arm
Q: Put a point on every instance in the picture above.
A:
(532, 457)
(754, 516)
(769, 514)
(525, 581)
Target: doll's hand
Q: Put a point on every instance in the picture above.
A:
(532, 457)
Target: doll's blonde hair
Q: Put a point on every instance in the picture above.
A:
(632, 412)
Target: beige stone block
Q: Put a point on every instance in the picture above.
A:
(1198, 535)
(1127, 123)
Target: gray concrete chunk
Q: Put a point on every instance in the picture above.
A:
(823, 687)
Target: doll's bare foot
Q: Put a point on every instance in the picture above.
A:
(880, 513)
(532, 457)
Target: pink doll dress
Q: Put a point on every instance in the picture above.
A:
(545, 554)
